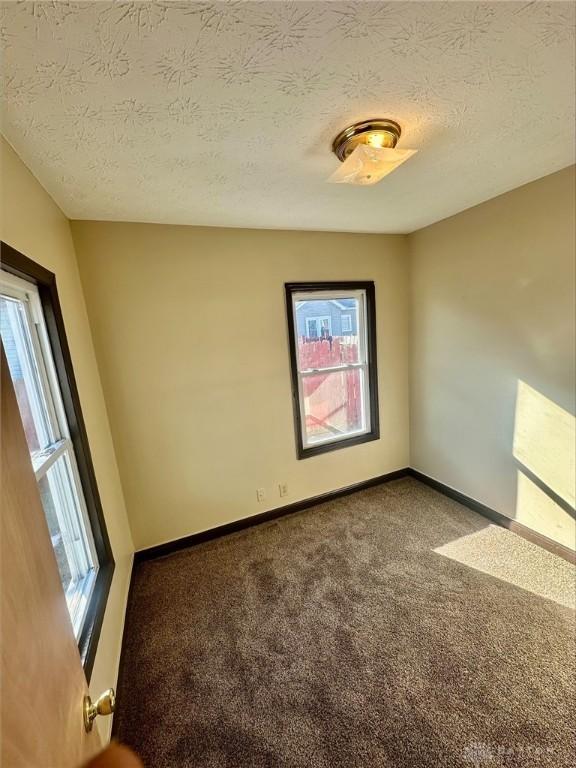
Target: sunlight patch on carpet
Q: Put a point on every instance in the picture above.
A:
(504, 555)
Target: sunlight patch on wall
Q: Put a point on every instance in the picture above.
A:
(536, 510)
(503, 555)
(545, 443)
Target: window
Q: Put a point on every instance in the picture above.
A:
(39, 400)
(33, 338)
(334, 377)
(318, 327)
(346, 323)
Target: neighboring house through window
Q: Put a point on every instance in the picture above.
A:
(333, 360)
(318, 327)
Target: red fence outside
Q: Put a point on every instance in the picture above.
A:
(332, 399)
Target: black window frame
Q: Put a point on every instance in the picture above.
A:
(368, 287)
(18, 264)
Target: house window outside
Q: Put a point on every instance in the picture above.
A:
(318, 327)
(333, 361)
(25, 341)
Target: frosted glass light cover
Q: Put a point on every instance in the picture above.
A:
(368, 165)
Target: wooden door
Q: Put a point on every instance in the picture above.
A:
(43, 683)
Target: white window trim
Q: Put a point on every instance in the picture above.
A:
(26, 292)
(349, 322)
(363, 363)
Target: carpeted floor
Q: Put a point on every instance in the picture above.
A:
(393, 627)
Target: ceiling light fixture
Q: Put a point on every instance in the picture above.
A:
(368, 152)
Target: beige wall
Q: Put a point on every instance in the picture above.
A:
(190, 336)
(190, 333)
(492, 353)
(34, 225)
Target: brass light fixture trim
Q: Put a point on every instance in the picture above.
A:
(375, 133)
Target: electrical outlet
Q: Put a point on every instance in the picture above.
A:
(283, 488)
(260, 494)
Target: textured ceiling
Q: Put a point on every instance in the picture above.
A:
(223, 113)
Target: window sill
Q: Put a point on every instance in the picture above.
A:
(88, 640)
(336, 445)
(78, 599)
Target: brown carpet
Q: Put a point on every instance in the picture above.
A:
(340, 637)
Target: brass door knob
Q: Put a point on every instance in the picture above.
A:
(104, 705)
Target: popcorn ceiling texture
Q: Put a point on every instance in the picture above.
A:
(223, 113)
